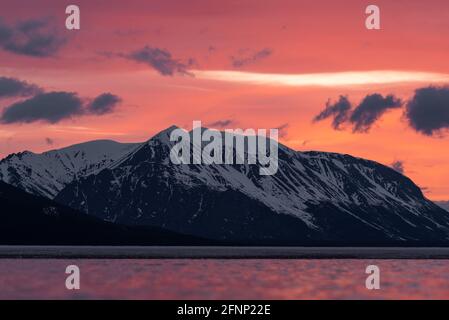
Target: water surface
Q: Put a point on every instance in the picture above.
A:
(223, 279)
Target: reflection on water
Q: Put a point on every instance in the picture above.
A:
(224, 279)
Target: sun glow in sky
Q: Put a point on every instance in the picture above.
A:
(243, 64)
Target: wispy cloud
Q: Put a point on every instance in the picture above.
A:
(161, 60)
(85, 130)
(221, 124)
(331, 79)
(398, 166)
(242, 61)
(283, 130)
(49, 141)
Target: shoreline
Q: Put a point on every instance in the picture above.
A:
(185, 252)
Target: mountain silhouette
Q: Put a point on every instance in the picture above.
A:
(27, 219)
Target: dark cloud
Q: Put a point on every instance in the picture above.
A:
(36, 38)
(53, 107)
(428, 111)
(49, 107)
(49, 141)
(161, 60)
(339, 111)
(104, 103)
(371, 109)
(398, 166)
(220, 124)
(283, 130)
(10, 87)
(363, 116)
(239, 62)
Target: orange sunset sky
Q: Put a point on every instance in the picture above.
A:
(234, 64)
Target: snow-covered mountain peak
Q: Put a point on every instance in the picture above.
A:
(45, 174)
(163, 136)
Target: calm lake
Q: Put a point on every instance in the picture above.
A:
(223, 279)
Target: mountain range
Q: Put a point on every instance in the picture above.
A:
(315, 198)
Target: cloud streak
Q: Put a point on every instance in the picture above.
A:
(332, 79)
(239, 62)
(221, 124)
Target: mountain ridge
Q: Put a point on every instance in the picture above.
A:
(443, 204)
(45, 174)
(315, 197)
